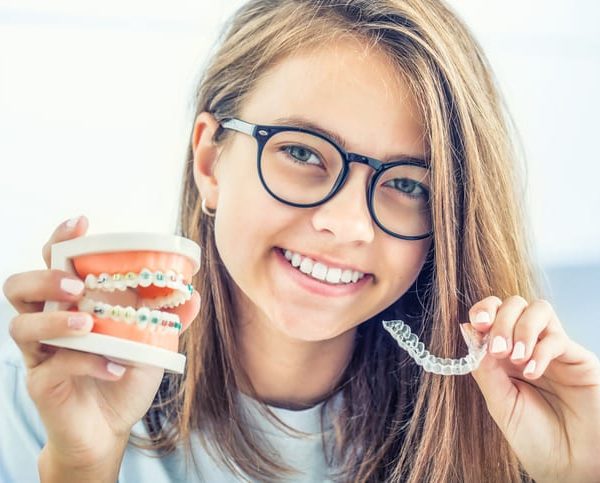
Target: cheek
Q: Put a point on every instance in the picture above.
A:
(406, 264)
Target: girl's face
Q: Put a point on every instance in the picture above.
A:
(357, 95)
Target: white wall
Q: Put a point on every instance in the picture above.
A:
(95, 112)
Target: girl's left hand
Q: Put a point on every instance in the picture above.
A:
(541, 388)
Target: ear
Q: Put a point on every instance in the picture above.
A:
(205, 154)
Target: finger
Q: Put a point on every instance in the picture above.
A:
(531, 326)
(28, 329)
(187, 312)
(501, 333)
(547, 349)
(483, 313)
(28, 291)
(67, 230)
(46, 382)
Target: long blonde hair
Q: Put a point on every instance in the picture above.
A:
(395, 422)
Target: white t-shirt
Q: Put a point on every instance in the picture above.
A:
(22, 437)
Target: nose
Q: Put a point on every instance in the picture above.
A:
(347, 215)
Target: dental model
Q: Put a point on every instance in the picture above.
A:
(133, 281)
(476, 344)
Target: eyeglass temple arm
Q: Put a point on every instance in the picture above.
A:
(239, 125)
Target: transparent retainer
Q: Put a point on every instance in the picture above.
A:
(476, 343)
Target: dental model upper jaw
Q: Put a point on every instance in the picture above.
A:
(320, 271)
(182, 292)
(146, 316)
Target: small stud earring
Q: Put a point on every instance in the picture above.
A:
(206, 211)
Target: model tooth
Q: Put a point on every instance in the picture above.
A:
(116, 312)
(146, 278)
(288, 255)
(171, 277)
(333, 275)
(131, 279)
(102, 280)
(142, 317)
(346, 276)
(129, 315)
(159, 279)
(180, 299)
(100, 310)
(90, 281)
(319, 271)
(155, 319)
(355, 276)
(118, 281)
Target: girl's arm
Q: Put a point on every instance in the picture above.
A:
(54, 470)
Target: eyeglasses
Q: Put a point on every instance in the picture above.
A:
(303, 168)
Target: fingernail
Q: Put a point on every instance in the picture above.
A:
(482, 318)
(518, 351)
(115, 369)
(72, 223)
(72, 286)
(80, 321)
(530, 368)
(499, 344)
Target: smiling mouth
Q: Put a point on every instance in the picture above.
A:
(321, 272)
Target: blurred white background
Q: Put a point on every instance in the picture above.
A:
(96, 108)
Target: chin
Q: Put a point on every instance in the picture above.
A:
(311, 329)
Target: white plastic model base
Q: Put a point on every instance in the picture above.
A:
(123, 351)
(116, 348)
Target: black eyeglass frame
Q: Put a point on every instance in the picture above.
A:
(262, 134)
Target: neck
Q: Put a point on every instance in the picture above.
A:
(291, 373)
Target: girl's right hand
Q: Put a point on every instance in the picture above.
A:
(87, 404)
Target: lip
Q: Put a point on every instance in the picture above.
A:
(316, 286)
(325, 261)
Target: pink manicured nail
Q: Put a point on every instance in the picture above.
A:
(518, 351)
(115, 369)
(80, 321)
(499, 344)
(530, 368)
(74, 287)
(482, 318)
(72, 223)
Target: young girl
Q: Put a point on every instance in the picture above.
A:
(307, 248)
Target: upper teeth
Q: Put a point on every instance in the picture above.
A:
(320, 271)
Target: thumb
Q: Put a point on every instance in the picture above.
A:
(73, 228)
(499, 391)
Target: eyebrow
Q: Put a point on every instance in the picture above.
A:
(296, 121)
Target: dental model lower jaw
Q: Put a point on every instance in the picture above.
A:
(147, 317)
(332, 275)
(476, 344)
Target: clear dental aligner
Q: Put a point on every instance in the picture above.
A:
(476, 344)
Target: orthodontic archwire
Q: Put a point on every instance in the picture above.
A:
(476, 343)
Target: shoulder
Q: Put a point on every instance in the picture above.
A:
(23, 434)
